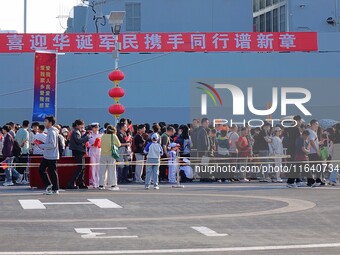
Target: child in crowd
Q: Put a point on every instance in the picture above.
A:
(172, 163)
(154, 151)
(185, 171)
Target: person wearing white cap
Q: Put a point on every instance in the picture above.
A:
(277, 151)
(154, 151)
(172, 163)
(185, 171)
(94, 153)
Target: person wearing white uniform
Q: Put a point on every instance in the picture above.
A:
(40, 138)
(277, 150)
(94, 153)
(186, 172)
(172, 163)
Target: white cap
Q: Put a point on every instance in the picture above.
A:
(64, 130)
(155, 137)
(95, 124)
(173, 145)
(186, 160)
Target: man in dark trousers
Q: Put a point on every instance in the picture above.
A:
(77, 145)
(202, 140)
(203, 147)
(166, 139)
(50, 157)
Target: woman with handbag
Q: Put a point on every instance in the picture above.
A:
(108, 157)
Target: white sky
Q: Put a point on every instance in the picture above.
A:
(41, 15)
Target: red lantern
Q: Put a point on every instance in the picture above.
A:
(116, 93)
(116, 76)
(116, 110)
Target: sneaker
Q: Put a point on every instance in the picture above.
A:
(147, 187)
(268, 180)
(291, 185)
(244, 180)
(330, 183)
(156, 187)
(52, 192)
(114, 188)
(19, 180)
(49, 188)
(279, 180)
(316, 184)
(101, 188)
(139, 182)
(8, 184)
(301, 184)
(25, 182)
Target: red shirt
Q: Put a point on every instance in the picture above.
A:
(243, 147)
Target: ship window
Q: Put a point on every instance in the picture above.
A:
(275, 21)
(262, 4)
(256, 5)
(269, 22)
(283, 18)
(133, 17)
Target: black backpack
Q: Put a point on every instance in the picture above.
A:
(16, 152)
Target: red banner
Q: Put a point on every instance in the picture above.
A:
(161, 42)
(45, 65)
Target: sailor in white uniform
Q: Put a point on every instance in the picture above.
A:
(94, 153)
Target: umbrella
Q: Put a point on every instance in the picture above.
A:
(327, 123)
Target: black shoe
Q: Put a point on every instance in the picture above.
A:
(83, 187)
(72, 187)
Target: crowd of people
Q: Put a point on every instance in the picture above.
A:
(149, 154)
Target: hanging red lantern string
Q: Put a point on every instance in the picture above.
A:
(116, 76)
(116, 93)
(116, 110)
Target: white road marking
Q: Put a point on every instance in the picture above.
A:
(32, 204)
(208, 232)
(87, 233)
(104, 203)
(193, 250)
(69, 203)
(35, 204)
(293, 205)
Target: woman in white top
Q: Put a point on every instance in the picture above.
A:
(277, 151)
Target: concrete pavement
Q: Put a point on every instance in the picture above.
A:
(216, 218)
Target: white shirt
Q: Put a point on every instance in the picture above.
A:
(172, 157)
(42, 138)
(276, 145)
(189, 173)
(233, 138)
(313, 137)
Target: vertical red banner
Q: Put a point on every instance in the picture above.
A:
(45, 73)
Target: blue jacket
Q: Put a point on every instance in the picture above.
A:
(153, 150)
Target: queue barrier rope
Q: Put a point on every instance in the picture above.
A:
(211, 160)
